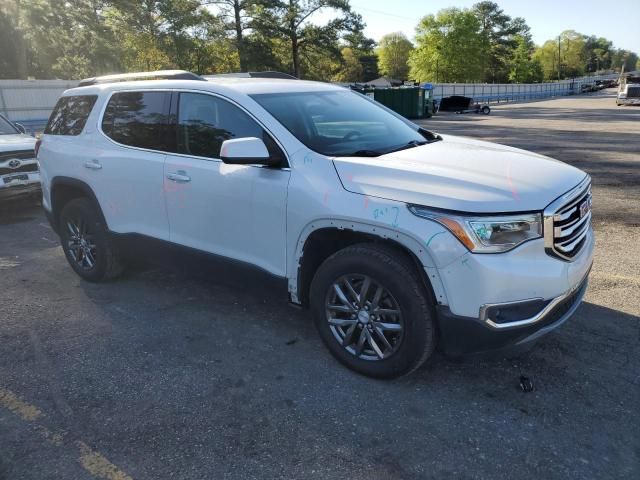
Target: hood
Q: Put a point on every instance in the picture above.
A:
(461, 174)
(16, 142)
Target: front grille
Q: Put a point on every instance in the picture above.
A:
(31, 167)
(19, 154)
(570, 224)
(633, 92)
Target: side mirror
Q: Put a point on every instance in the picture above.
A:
(245, 151)
(21, 128)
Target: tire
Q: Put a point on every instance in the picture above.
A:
(102, 261)
(410, 333)
(486, 110)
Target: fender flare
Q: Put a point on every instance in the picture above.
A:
(61, 182)
(404, 240)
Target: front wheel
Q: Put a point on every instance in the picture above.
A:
(373, 311)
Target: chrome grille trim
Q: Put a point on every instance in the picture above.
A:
(565, 230)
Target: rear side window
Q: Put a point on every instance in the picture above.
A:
(70, 115)
(140, 119)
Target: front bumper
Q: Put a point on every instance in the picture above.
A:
(628, 101)
(464, 335)
(20, 188)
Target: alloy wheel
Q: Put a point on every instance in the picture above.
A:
(364, 317)
(80, 244)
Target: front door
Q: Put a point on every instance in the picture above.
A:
(237, 211)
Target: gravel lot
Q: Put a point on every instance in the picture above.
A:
(185, 371)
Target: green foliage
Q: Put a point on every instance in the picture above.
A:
(500, 35)
(448, 49)
(524, 69)
(393, 55)
(316, 39)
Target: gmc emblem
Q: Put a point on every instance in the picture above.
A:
(585, 207)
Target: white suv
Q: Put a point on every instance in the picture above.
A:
(397, 239)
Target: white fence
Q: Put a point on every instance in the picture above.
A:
(30, 101)
(514, 92)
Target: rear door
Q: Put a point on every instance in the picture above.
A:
(237, 211)
(127, 176)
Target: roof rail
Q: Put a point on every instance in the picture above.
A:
(268, 74)
(157, 75)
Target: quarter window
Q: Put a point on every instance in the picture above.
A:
(205, 121)
(70, 115)
(139, 119)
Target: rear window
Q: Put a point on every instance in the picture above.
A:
(70, 115)
(140, 119)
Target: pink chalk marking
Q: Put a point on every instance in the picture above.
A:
(326, 197)
(514, 192)
(366, 202)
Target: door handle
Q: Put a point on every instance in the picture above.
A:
(180, 176)
(93, 165)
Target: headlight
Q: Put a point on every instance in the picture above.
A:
(488, 234)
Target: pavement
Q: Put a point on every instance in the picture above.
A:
(182, 370)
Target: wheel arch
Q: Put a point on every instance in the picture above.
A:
(322, 238)
(65, 189)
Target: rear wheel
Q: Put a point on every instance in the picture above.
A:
(86, 243)
(373, 311)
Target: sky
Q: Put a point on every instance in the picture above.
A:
(616, 20)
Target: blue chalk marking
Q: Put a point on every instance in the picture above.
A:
(433, 236)
(395, 221)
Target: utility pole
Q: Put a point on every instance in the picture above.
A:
(558, 58)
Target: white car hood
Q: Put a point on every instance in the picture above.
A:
(16, 142)
(461, 174)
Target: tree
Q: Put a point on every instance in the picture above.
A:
(351, 70)
(498, 33)
(562, 57)
(291, 21)
(524, 69)
(393, 55)
(448, 47)
(597, 53)
(13, 54)
(237, 16)
(363, 48)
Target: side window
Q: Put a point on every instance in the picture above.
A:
(205, 121)
(70, 115)
(139, 119)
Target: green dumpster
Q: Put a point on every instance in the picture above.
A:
(407, 101)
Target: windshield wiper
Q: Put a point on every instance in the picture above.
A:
(361, 153)
(411, 144)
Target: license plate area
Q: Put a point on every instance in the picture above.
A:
(22, 177)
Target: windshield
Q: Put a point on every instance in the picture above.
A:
(6, 128)
(341, 123)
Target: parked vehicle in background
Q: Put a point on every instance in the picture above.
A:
(587, 88)
(19, 176)
(397, 239)
(628, 91)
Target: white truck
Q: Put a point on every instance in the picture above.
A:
(19, 177)
(628, 91)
